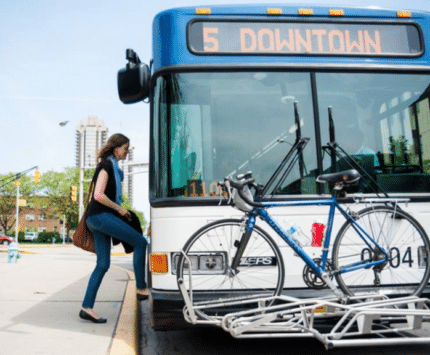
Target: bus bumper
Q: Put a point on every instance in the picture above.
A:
(165, 310)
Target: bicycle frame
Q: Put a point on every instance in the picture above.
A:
(332, 202)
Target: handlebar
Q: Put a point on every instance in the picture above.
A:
(239, 185)
(244, 181)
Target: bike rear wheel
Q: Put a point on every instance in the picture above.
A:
(211, 251)
(407, 270)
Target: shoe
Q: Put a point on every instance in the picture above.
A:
(86, 316)
(141, 297)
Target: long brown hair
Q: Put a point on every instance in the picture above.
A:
(114, 141)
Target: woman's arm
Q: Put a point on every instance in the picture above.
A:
(100, 196)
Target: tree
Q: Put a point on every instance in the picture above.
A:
(57, 185)
(52, 194)
(8, 197)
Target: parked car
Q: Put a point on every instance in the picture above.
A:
(5, 239)
(30, 236)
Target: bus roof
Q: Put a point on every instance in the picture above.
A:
(171, 35)
(289, 10)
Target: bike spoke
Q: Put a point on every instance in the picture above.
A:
(404, 272)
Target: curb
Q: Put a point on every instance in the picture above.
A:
(22, 247)
(46, 245)
(20, 251)
(125, 340)
(4, 249)
(28, 246)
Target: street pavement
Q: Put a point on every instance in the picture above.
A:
(40, 299)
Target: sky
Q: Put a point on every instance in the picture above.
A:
(59, 61)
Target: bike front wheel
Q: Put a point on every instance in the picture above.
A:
(211, 251)
(407, 270)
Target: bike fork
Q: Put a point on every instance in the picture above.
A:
(240, 245)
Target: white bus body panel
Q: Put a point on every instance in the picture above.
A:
(172, 226)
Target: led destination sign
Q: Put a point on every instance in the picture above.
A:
(283, 38)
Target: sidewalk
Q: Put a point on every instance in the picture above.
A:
(40, 298)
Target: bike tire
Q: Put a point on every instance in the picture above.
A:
(211, 250)
(408, 270)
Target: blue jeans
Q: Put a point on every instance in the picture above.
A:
(104, 226)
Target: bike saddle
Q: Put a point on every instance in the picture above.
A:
(346, 177)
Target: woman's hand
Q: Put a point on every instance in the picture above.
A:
(125, 213)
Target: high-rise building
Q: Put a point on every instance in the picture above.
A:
(94, 134)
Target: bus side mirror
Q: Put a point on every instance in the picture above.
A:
(133, 80)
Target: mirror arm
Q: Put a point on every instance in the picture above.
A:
(132, 57)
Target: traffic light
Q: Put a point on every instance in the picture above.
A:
(74, 193)
(37, 176)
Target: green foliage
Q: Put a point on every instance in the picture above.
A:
(20, 236)
(11, 234)
(8, 194)
(51, 193)
(47, 237)
(399, 146)
(57, 187)
(127, 205)
(426, 166)
(143, 221)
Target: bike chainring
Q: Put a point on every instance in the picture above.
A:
(312, 279)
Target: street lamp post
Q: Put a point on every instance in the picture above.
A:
(81, 175)
(81, 169)
(17, 183)
(64, 229)
(13, 251)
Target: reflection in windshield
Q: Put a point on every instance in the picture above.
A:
(382, 121)
(210, 125)
(261, 153)
(224, 124)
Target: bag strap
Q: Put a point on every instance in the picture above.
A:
(90, 191)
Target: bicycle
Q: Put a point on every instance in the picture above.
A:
(380, 248)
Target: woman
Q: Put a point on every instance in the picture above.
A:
(105, 217)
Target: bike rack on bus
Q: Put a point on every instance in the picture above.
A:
(374, 318)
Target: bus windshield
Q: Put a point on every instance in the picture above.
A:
(207, 125)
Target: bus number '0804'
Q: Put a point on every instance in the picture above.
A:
(395, 256)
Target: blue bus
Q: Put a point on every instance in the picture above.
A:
(230, 88)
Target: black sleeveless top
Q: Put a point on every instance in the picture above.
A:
(95, 207)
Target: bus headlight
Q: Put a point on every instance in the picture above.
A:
(203, 263)
(194, 259)
(213, 263)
